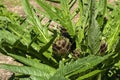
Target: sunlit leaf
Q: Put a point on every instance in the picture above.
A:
(93, 31)
(26, 70)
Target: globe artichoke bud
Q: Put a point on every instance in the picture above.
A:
(103, 46)
(61, 46)
(76, 54)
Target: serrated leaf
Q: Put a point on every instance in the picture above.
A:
(34, 19)
(37, 78)
(21, 33)
(45, 48)
(7, 37)
(3, 18)
(80, 36)
(27, 70)
(58, 77)
(33, 63)
(51, 12)
(93, 31)
(60, 15)
(94, 38)
(66, 17)
(89, 75)
(112, 29)
(114, 37)
(101, 7)
(81, 65)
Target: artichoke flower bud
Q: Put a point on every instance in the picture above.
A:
(76, 53)
(103, 46)
(61, 46)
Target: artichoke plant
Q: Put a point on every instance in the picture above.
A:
(85, 49)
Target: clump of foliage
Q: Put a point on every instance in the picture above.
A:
(88, 49)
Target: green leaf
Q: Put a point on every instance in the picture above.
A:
(93, 31)
(117, 64)
(80, 21)
(80, 36)
(89, 74)
(114, 36)
(45, 48)
(27, 70)
(60, 15)
(37, 78)
(34, 19)
(112, 29)
(58, 77)
(94, 38)
(24, 79)
(50, 11)
(33, 63)
(66, 17)
(7, 37)
(21, 32)
(81, 65)
(101, 8)
(3, 18)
